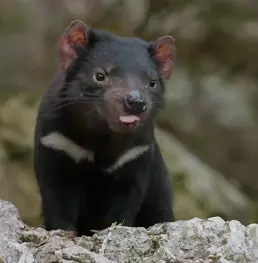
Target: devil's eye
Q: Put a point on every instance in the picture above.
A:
(152, 83)
(99, 77)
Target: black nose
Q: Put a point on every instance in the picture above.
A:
(135, 103)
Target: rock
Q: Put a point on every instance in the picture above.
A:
(191, 241)
(11, 248)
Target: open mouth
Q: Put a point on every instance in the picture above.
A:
(129, 120)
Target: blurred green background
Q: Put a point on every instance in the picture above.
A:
(209, 129)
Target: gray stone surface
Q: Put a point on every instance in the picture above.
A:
(193, 241)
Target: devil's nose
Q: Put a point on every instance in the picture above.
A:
(135, 103)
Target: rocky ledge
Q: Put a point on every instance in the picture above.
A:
(192, 241)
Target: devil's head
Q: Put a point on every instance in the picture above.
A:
(113, 83)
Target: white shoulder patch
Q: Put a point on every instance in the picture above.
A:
(58, 141)
(128, 156)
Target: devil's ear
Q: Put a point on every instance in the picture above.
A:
(76, 34)
(163, 50)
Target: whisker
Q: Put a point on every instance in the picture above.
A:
(78, 93)
(48, 111)
(75, 94)
(72, 99)
(67, 103)
(78, 100)
(85, 99)
(64, 104)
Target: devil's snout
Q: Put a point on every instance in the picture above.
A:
(135, 103)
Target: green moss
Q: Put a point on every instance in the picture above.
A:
(179, 181)
(214, 258)
(253, 217)
(16, 153)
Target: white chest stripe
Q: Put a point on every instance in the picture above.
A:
(58, 141)
(128, 156)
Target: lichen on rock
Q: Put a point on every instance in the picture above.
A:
(190, 241)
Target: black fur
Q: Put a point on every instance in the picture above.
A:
(81, 196)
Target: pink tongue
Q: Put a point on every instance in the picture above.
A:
(129, 119)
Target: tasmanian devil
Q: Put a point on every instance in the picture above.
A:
(96, 158)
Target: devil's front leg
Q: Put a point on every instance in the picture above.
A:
(59, 187)
(127, 198)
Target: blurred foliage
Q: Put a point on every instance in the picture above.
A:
(17, 182)
(212, 99)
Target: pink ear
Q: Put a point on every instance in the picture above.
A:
(163, 53)
(75, 34)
